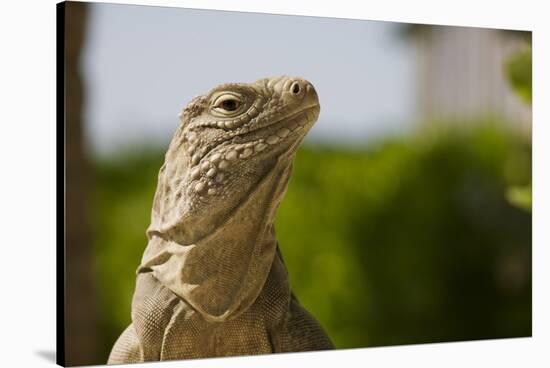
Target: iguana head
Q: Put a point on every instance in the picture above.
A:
(228, 140)
(211, 238)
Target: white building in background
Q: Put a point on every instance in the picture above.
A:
(461, 74)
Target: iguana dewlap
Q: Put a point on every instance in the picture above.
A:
(212, 281)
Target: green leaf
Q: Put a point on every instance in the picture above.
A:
(519, 73)
(520, 197)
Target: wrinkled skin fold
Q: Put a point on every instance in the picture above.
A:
(212, 281)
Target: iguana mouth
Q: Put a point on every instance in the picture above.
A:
(281, 128)
(262, 138)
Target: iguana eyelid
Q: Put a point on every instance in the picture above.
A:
(218, 100)
(226, 96)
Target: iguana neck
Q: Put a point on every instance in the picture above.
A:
(222, 272)
(259, 203)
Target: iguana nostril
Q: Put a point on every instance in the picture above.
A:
(295, 88)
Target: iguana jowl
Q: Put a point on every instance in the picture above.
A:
(212, 281)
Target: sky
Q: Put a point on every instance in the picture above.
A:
(143, 64)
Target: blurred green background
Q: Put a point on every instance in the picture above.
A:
(410, 241)
(416, 237)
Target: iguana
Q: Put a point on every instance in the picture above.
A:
(212, 281)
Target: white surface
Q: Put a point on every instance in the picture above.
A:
(27, 192)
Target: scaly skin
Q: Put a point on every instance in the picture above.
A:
(212, 281)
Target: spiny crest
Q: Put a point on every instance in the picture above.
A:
(193, 109)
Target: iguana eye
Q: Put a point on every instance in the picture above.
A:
(227, 104)
(231, 104)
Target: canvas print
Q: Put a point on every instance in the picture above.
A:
(243, 183)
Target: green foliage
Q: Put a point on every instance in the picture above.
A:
(521, 197)
(124, 192)
(412, 242)
(406, 242)
(519, 73)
